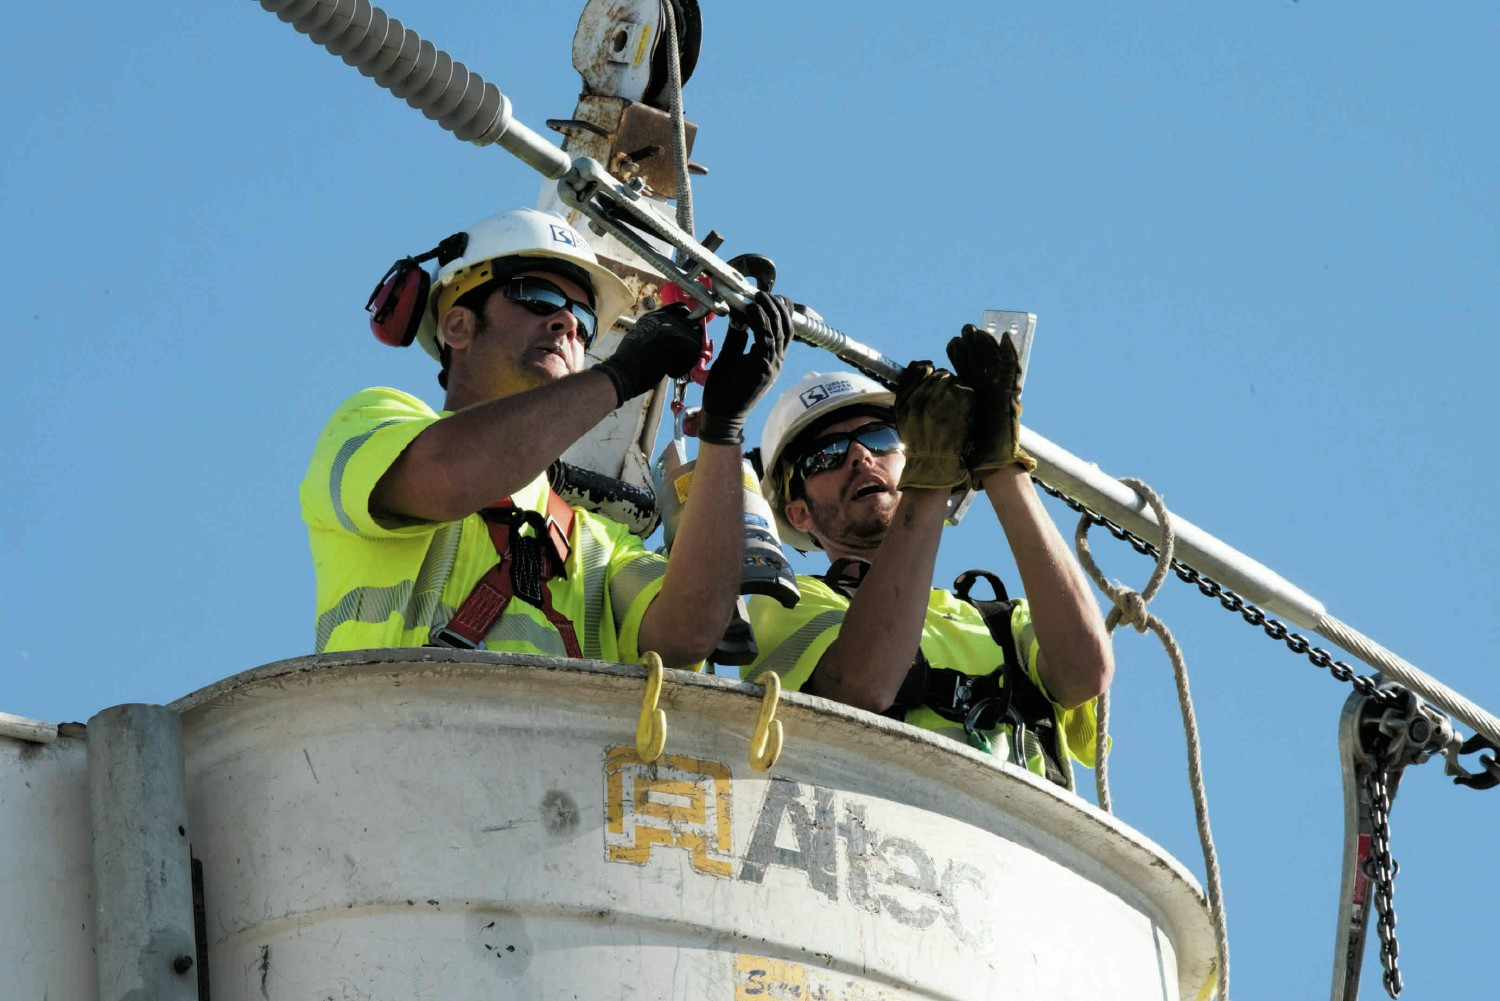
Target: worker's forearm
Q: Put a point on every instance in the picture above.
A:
(689, 616)
(486, 452)
(882, 631)
(1077, 660)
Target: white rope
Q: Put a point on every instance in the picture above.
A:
(1130, 608)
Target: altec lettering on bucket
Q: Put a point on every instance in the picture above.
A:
(681, 803)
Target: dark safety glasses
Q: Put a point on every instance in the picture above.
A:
(539, 296)
(828, 453)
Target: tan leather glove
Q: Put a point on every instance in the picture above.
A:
(992, 368)
(933, 413)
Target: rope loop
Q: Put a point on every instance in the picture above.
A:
(1130, 608)
(1116, 592)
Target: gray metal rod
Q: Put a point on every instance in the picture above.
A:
(144, 945)
(1090, 485)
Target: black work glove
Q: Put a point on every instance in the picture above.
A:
(992, 368)
(738, 377)
(662, 343)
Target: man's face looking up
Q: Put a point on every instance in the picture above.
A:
(848, 507)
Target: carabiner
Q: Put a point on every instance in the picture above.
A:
(685, 419)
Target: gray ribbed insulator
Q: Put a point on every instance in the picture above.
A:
(399, 60)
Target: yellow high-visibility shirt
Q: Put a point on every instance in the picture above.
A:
(954, 636)
(386, 583)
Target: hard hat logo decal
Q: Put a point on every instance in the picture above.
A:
(818, 394)
(563, 234)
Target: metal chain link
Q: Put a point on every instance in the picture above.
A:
(1380, 870)
(1274, 628)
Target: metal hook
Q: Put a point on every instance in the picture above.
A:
(1488, 777)
(651, 729)
(765, 742)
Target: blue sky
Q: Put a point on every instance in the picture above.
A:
(1262, 240)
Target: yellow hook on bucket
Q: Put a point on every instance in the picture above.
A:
(765, 742)
(651, 730)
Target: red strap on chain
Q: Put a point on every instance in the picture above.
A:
(524, 568)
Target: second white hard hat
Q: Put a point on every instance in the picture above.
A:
(810, 399)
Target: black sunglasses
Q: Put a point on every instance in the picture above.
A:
(541, 297)
(828, 453)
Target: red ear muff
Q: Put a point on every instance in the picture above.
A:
(396, 305)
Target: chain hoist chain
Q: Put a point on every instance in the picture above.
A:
(1380, 869)
(1274, 628)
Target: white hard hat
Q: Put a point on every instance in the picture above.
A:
(811, 399)
(523, 233)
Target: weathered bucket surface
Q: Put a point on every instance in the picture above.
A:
(46, 871)
(466, 825)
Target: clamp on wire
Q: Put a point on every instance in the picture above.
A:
(618, 208)
(651, 729)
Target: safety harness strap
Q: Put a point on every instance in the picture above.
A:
(979, 702)
(526, 563)
(1024, 699)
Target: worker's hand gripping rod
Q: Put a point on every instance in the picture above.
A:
(459, 100)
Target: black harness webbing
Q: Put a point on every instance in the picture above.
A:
(979, 702)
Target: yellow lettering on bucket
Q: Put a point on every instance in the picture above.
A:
(760, 978)
(757, 978)
(675, 801)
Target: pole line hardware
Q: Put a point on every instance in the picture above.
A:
(1378, 739)
(619, 209)
(475, 111)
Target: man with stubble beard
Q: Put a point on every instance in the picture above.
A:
(865, 474)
